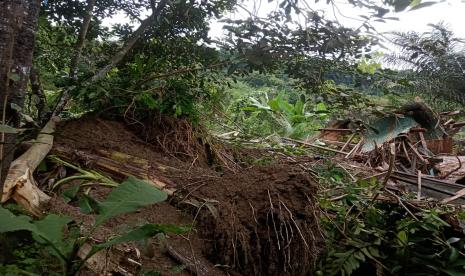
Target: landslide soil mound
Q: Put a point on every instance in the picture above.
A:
(258, 220)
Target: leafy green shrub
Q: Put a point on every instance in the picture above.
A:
(21, 255)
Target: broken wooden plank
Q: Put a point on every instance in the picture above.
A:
(457, 195)
(449, 121)
(451, 167)
(429, 179)
(338, 143)
(425, 186)
(417, 129)
(348, 141)
(422, 159)
(419, 185)
(336, 129)
(406, 153)
(441, 146)
(431, 187)
(422, 139)
(354, 149)
(458, 124)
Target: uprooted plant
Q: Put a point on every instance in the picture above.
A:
(82, 175)
(64, 240)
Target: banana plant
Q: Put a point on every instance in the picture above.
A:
(91, 175)
(293, 119)
(50, 231)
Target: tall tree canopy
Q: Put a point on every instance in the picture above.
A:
(164, 61)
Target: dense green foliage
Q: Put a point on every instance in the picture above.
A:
(174, 67)
(159, 73)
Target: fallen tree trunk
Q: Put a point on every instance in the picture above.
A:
(18, 24)
(119, 165)
(20, 184)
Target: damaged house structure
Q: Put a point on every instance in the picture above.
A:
(412, 147)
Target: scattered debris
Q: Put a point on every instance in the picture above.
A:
(422, 139)
(451, 168)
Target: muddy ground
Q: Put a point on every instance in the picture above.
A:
(248, 218)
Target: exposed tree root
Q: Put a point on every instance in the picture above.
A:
(267, 230)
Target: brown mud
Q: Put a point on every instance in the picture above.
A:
(252, 220)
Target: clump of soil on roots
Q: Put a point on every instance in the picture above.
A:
(267, 223)
(174, 136)
(260, 220)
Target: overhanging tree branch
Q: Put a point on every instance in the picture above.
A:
(81, 39)
(66, 94)
(182, 71)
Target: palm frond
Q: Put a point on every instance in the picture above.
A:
(437, 56)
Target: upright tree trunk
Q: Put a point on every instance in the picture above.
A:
(18, 25)
(37, 89)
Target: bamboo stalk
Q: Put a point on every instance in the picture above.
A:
(458, 194)
(331, 142)
(316, 146)
(418, 154)
(392, 160)
(354, 149)
(348, 141)
(336, 129)
(422, 139)
(419, 185)
(406, 153)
